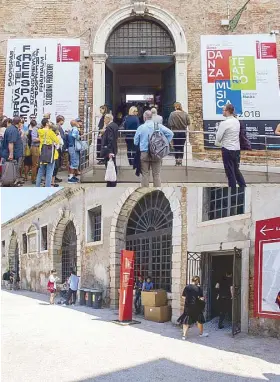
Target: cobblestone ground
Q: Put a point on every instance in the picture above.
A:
(66, 344)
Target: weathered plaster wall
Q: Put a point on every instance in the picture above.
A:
(262, 202)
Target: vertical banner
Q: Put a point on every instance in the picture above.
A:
(126, 285)
(267, 269)
(241, 70)
(42, 76)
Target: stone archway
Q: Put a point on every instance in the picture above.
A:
(118, 241)
(123, 14)
(56, 240)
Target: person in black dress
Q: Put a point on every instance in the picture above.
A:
(109, 143)
(103, 112)
(225, 292)
(194, 306)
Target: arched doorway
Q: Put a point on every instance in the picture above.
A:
(140, 66)
(121, 15)
(69, 251)
(149, 234)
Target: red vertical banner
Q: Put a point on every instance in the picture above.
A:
(126, 285)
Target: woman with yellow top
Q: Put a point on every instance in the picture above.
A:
(48, 138)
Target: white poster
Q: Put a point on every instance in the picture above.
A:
(241, 70)
(42, 76)
(270, 277)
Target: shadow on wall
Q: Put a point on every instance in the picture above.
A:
(167, 370)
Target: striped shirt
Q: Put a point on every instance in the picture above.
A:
(228, 134)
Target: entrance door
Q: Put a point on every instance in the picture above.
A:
(168, 92)
(236, 300)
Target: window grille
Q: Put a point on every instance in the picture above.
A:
(149, 234)
(132, 37)
(94, 224)
(224, 202)
(69, 251)
(44, 238)
(24, 243)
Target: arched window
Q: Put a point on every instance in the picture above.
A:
(136, 36)
(69, 251)
(149, 234)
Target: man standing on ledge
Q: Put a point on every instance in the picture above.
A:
(228, 138)
(142, 138)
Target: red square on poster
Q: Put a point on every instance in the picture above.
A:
(218, 65)
(266, 50)
(68, 53)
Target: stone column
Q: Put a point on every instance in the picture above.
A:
(181, 73)
(99, 87)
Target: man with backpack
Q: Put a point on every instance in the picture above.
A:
(153, 140)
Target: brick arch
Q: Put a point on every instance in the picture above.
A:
(56, 236)
(118, 234)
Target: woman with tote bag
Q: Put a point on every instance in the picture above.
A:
(48, 153)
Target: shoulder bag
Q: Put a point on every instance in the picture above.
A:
(47, 152)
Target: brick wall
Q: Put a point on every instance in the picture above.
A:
(69, 18)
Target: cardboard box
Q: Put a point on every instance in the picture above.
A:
(154, 298)
(158, 314)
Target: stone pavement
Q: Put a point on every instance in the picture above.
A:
(78, 344)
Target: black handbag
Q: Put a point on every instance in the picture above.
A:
(47, 152)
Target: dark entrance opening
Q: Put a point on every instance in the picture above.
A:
(69, 251)
(211, 267)
(140, 61)
(14, 261)
(149, 234)
(220, 266)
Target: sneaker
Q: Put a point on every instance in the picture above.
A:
(184, 338)
(73, 181)
(204, 335)
(58, 180)
(77, 179)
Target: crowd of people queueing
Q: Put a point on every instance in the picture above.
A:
(138, 128)
(40, 149)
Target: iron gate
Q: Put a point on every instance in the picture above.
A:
(149, 234)
(137, 35)
(69, 251)
(236, 298)
(14, 261)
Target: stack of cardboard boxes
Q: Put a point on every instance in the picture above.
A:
(155, 306)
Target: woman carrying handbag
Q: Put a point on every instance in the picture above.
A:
(48, 153)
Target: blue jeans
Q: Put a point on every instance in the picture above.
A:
(45, 170)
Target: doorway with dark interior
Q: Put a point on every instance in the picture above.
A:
(213, 268)
(221, 267)
(140, 62)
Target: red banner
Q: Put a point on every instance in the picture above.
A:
(267, 268)
(126, 285)
(218, 65)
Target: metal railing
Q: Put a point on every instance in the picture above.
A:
(192, 150)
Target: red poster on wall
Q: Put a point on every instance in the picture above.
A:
(218, 67)
(267, 269)
(126, 285)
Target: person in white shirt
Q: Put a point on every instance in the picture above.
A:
(156, 117)
(52, 288)
(73, 287)
(227, 137)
